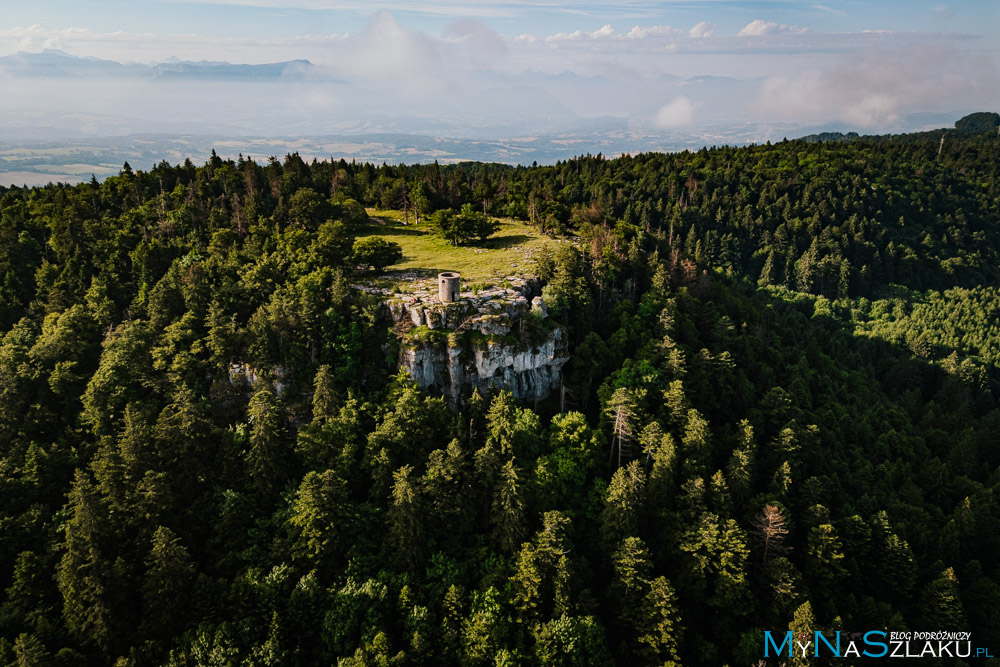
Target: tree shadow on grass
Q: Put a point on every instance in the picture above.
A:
(410, 274)
(503, 242)
(392, 230)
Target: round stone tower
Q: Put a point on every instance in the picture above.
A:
(448, 286)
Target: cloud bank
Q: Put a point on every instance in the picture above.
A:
(470, 80)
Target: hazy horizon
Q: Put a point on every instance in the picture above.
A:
(659, 74)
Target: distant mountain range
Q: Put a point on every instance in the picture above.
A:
(52, 63)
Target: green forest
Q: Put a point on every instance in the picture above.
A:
(782, 414)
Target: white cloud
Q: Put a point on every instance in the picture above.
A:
(604, 32)
(759, 28)
(477, 44)
(646, 32)
(385, 53)
(703, 29)
(676, 114)
(875, 91)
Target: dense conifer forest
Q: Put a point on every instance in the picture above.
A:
(783, 415)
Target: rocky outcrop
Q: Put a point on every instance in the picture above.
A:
(491, 340)
(455, 366)
(245, 377)
(488, 310)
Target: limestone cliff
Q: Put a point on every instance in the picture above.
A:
(491, 340)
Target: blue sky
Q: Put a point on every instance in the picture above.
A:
(859, 65)
(126, 30)
(284, 18)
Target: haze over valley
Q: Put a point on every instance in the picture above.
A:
(493, 81)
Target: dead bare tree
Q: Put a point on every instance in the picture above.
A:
(771, 532)
(621, 409)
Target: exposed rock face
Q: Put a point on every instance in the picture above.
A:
(245, 377)
(478, 344)
(456, 370)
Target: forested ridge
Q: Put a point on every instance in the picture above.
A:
(781, 413)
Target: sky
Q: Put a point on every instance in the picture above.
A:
(494, 67)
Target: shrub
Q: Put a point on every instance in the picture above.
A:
(376, 252)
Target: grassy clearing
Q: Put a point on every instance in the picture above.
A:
(426, 253)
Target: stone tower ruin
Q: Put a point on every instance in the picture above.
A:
(448, 286)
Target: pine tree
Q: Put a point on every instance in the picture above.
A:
(660, 629)
(183, 445)
(781, 481)
(630, 581)
(739, 472)
(717, 563)
(166, 588)
(897, 571)
(663, 472)
(784, 584)
(695, 443)
(475, 408)
(507, 511)
(412, 426)
(624, 509)
(135, 445)
(510, 430)
(87, 578)
(450, 628)
(769, 273)
(676, 403)
(484, 629)
(941, 603)
(270, 653)
(222, 339)
(28, 597)
(267, 456)
(31, 652)
(718, 494)
(324, 402)
(446, 488)
(572, 641)
(824, 560)
(320, 516)
(540, 573)
(405, 518)
(306, 605)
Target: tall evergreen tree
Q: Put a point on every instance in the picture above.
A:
(267, 456)
(507, 511)
(166, 587)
